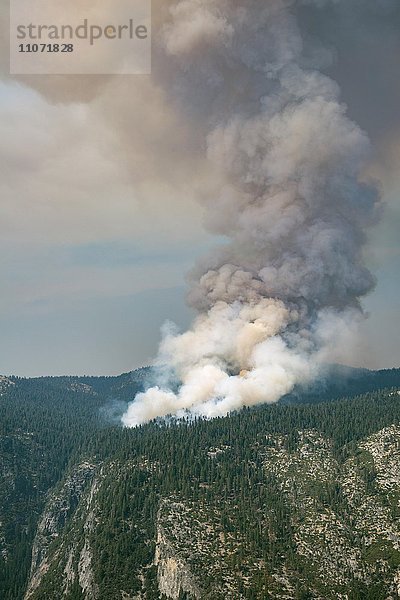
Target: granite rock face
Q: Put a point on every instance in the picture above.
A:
(61, 508)
(173, 573)
(341, 513)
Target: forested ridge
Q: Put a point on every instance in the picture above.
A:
(59, 440)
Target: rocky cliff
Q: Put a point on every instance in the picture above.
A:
(341, 517)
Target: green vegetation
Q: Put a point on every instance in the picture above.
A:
(237, 498)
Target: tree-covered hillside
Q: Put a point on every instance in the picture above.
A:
(298, 500)
(44, 424)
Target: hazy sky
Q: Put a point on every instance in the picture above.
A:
(100, 222)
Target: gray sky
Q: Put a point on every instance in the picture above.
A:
(99, 211)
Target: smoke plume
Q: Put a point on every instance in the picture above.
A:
(291, 206)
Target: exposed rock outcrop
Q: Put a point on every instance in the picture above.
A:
(60, 508)
(174, 575)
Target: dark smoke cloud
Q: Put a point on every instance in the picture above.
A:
(292, 202)
(243, 113)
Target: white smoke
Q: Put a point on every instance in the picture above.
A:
(292, 204)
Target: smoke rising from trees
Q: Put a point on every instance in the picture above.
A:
(292, 204)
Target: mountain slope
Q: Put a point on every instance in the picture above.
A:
(251, 506)
(294, 500)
